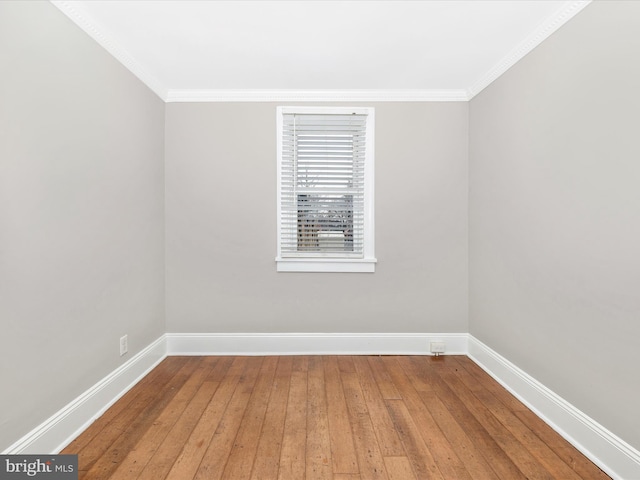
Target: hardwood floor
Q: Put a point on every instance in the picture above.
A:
(323, 417)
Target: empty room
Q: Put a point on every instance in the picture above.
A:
(320, 239)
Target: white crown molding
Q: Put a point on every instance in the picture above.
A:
(612, 454)
(60, 429)
(317, 96)
(100, 35)
(540, 34)
(312, 343)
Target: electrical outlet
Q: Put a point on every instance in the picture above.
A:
(124, 346)
(437, 347)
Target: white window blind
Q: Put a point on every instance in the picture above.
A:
(324, 202)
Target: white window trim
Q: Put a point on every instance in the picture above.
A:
(333, 264)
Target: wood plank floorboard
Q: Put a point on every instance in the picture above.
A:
(270, 442)
(343, 450)
(323, 417)
(292, 464)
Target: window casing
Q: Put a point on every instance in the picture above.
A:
(325, 189)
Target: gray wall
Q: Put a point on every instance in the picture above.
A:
(555, 214)
(221, 227)
(81, 214)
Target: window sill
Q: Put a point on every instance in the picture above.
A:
(366, 265)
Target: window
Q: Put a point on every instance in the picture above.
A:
(325, 189)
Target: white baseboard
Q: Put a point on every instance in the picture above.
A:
(312, 343)
(59, 430)
(612, 454)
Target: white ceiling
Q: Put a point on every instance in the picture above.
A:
(304, 49)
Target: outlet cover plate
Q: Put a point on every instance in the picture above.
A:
(437, 347)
